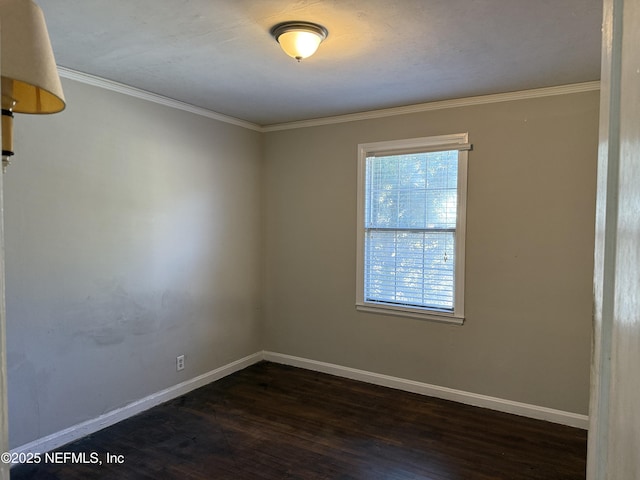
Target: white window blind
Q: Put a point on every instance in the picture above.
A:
(410, 237)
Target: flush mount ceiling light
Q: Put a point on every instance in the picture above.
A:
(299, 39)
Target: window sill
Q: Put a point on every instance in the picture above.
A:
(429, 315)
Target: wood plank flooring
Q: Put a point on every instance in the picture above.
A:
(274, 422)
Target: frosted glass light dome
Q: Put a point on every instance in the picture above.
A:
(299, 39)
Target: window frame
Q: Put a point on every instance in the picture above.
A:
(459, 142)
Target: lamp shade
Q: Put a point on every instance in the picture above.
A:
(29, 73)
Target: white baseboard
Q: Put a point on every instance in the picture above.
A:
(484, 401)
(58, 439)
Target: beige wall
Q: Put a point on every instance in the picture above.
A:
(136, 233)
(132, 236)
(530, 224)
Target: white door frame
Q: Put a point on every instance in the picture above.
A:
(614, 431)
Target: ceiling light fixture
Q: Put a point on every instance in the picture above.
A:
(299, 39)
(30, 81)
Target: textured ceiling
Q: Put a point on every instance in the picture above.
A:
(218, 54)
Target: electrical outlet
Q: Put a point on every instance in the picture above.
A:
(179, 362)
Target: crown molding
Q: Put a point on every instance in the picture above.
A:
(152, 97)
(426, 107)
(351, 117)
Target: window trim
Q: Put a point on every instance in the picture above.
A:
(460, 142)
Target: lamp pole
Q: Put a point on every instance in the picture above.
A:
(4, 407)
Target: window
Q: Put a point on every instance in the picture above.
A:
(411, 227)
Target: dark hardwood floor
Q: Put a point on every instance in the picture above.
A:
(277, 422)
